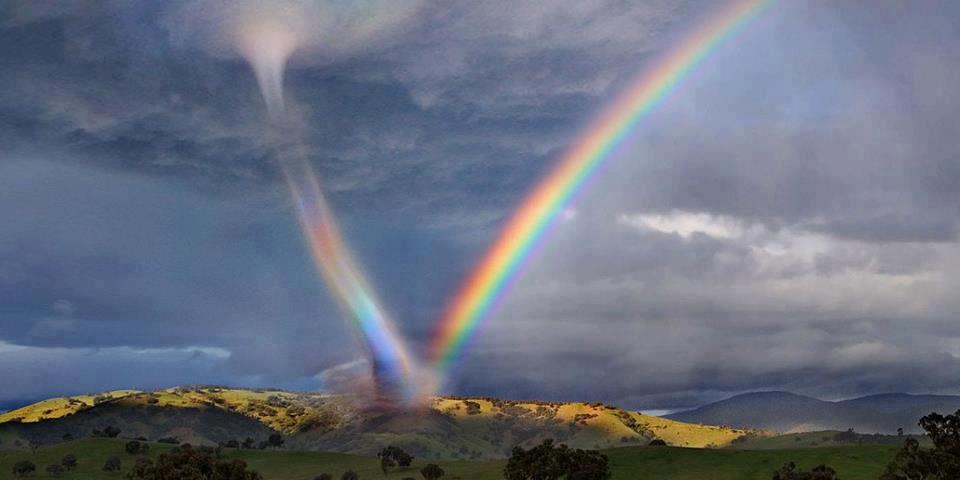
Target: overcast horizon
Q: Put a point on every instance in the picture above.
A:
(786, 220)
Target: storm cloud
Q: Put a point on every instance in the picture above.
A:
(787, 219)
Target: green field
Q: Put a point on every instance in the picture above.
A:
(661, 463)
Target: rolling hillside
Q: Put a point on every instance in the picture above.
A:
(788, 412)
(467, 428)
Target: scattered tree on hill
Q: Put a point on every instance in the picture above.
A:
(112, 464)
(23, 468)
(393, 456)
(248, 443)
(189, 463)
(939, 463)
(69, 461)
(109, 432)
(67, 437)
(790, 472)
(549, 462)
(34, 445)
(657, 442)
(349, 475)
(55, 469)
(900, 431)
(231, 444)
(275, 440)
(432, 471)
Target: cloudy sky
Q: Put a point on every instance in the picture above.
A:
(787, 219)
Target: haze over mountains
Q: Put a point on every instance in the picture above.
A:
(789, 412)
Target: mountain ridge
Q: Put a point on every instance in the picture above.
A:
(788, 412)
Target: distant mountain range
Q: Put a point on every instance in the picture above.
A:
(789, 412)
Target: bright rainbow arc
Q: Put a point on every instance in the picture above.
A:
(391, 361)
(528, 224)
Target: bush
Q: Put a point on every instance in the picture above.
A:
(112, 464)
(69, 461)
(549, 462)
(23, 468)
(432, 471)
(134, 447)
(187, 462)
(656, 442)
(790, 472)
(393, 456)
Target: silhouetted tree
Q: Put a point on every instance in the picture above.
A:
(900, 431)
(393, 456)
(656, 442)
(23, 468)
(189, 463)
(432, 471)
(248, 443)
(549, 462)
(231, 444)
(112, 464)
(349, 475)
(134, 447)
(940, 462)
(69, 461)
(790, 472)
(109, 432)
(275, 440)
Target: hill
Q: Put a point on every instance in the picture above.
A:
(788, 412)
(449, 427)
(663, 463)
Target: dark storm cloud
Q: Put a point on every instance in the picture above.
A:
(787, 219)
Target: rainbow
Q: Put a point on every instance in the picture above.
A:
(392, 364)
(526, 227)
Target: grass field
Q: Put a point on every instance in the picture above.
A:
(661, 463)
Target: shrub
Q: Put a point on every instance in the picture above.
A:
(656, 442)
(790, 472)
(23, 468)
(549, 462)
(432, 471)
(69, 461)
(187, 462)
(112, 464)
(134, 447)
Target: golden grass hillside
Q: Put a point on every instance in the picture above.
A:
(449, 427)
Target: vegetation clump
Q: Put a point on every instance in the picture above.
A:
(549, 462)
(941, 462)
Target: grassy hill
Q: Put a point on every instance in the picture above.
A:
(628, 463)
(787, 412)
(449, 427)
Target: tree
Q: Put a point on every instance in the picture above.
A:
(431, 471)
(323, 476)
(23, 468)
(900, 431)
(134, 447)
(790, 472)
(190, 463)
(112, 464)
(549, 462)
(349, 475)
(393, 456)
(69, 461)
(657, 442)
(248, 443)
(275, 440)
(940, 462)
(55, 469)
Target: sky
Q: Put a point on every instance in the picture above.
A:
(786, 220)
